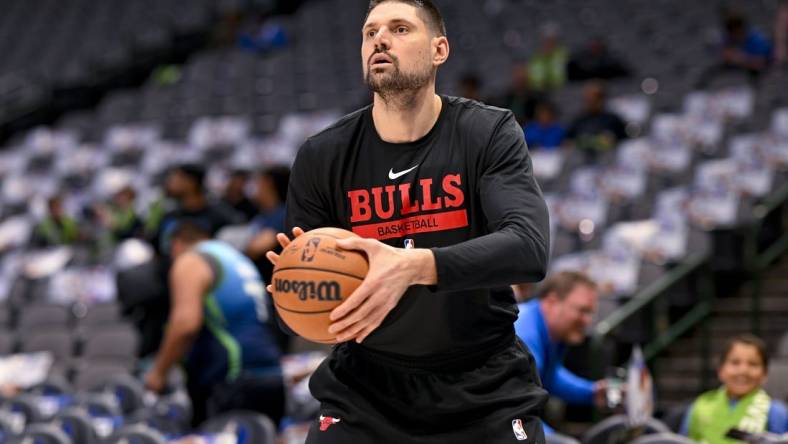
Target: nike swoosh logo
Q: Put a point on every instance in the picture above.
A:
(393, 175)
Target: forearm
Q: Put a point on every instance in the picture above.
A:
(174, 347)
(498, 259)
(572, 388)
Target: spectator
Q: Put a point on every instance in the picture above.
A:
(470, 87)
(545, 131)
(218, 323)
(743, 49)
(120, 216)
(596, 129)
(547, 68)
(520, 98)
(781, 33)
(57, 228)
(557, 318)
(270, 199)
(595, 61)
(185, 185)
(741, 402)
(235, 194)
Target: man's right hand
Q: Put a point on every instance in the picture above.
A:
(284, 241)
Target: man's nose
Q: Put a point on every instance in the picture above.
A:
(382, 39)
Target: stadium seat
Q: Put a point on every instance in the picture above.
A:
(663, 438)
(617, 427)
(99, 314)
(782, 347)
(778, 375)
(77, 424)
(7, 431)
(7, 342)
(44, 434)
(93, 375)
(557, 438)
(53, 385)
(36, 316)
(674, 416)
(26, 407)
(115, 343)
(5, 315)
(137, 434)
(58, 341)
(254, 427)
(128, 391)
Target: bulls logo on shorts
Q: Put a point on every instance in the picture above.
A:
(327, 421)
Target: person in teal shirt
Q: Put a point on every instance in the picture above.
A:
(218, 326)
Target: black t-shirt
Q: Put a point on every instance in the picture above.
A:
(465, 190)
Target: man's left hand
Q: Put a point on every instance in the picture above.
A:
(391, 272)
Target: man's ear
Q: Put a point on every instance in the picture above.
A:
(440, 50)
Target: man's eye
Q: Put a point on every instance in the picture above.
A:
(370, 34)
(402, 29)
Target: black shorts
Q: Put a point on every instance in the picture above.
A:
(493, 397)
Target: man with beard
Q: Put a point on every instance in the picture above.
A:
(427, 351)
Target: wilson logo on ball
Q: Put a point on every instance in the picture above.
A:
(321, 291)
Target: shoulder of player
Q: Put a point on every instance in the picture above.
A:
(192, 266)
(478, 115)
(336, 135)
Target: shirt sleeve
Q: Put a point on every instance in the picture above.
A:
(778, 418)
(570, 387)
(516, 250)
(307, 205)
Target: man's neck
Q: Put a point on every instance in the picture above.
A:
(406, 117)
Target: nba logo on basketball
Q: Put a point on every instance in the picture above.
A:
(519, 431)
(308, 254)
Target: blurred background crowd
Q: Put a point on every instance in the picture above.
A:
(658, 132)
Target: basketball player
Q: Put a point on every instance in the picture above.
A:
(217, 325)
(427, 349)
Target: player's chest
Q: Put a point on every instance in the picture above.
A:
(390, 194)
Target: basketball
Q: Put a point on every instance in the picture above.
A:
(312, 277)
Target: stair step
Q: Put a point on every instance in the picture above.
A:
(771, 304)
(677, 385)
(771, 327)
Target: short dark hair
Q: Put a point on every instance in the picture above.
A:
(189, 232)
(195, 172)
(747, 339)
(280, 177)
(430, 13)
(563, 282)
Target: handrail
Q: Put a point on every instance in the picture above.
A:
(648, 294)
(754, 262)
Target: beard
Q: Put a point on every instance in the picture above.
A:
(396, 82)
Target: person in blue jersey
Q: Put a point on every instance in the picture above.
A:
(558, 317)
(218, 327)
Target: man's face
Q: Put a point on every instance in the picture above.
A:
(176, 184)
(397, 49)
(573, 315)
